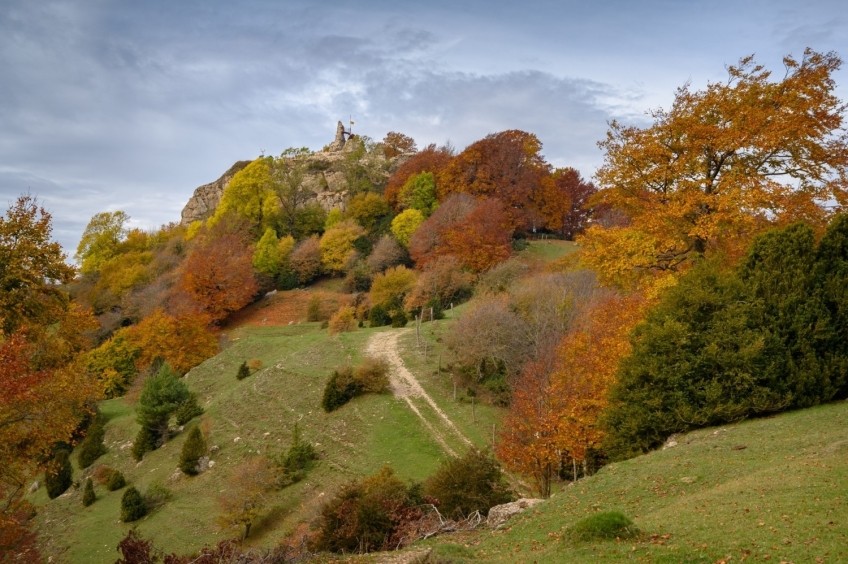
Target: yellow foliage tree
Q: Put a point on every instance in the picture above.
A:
(337, 245)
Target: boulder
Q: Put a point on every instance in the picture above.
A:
(500, 514)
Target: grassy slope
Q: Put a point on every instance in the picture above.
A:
(772, 489)
(254, 416)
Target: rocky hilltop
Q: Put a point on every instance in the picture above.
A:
(328, 175)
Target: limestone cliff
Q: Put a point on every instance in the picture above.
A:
(328, 175)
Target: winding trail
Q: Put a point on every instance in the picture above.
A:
(406, 387)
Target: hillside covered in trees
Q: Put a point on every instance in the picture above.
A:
(553, 325)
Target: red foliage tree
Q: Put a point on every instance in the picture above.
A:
(506, 165)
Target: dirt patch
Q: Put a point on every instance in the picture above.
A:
(287, 307)
(406, 387)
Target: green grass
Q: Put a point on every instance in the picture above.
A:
(256, 416)
(765, 490)
(548, 250)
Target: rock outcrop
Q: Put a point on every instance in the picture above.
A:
(327, 175)
(500, 514)
(205, 199)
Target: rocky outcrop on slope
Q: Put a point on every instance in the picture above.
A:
(328, 174)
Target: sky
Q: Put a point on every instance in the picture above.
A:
(128, 105)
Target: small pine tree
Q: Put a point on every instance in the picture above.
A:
(194, 448)
(115, 480)
(92, 447)
(59, 474)
(88, 496)
(144, 443)
(133, 507)
(188, 410)
(298, 459)
(243, 371)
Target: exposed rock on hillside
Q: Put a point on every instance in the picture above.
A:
(205, 199)
(328, 175)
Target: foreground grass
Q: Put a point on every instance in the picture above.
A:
(254, 416)
(771, 489)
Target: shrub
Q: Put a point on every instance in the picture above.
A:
(163, 394)
(313, 309)
(606, 525)
(144, 443)
(133, 507)
(346, 383)
(378, 316)
(92, 447)
(59, 474)
(297, 459)
(116, 481)
(243, 371)
(156, 496)
(194, 448)
(343, 321)
(88, 496)
(468, 484)
(254, 364)
(188, 410)
(368, 515)
(399, 318)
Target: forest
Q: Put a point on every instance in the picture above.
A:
(705, 282)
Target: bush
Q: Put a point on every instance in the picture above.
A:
(194, 448)
(346, 383)
(378, 316)
(114, 480)
(88, 496)
(297, 459)
(468, 484)
(156, 496)
(368, 515)
(243, 371)
(399, 318)
(188, 410)
(59, 474)
(92, 447)
(313, 309)
(343, 321)
(144, 443)
(133, 507)
(607, 525)
(254, 364)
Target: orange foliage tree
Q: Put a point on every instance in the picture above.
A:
(506, 165)
(477, 233)
(183, 342)
(720, 166)
(554, 413)
(218, 274)
(563, 200)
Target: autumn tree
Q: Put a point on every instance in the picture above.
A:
(428, 238)
(100, 240)
(482, 239)
(369, 210)
(390, 288)
(218, 273)
(305, 260)
(508, 166)
(183, 342)
(395, 144)
(721, 165)
(250, 195)
(419, 192)
(563, 202)
(555, 409)
(441, 283)
(405, 224)
(245, 498)
(31, 266)
(430, 159)
(337, 246)
(386, 252)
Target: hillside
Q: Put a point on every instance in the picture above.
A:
(257, 416)
(772, 489)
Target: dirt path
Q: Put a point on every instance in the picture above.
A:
(406, 387)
